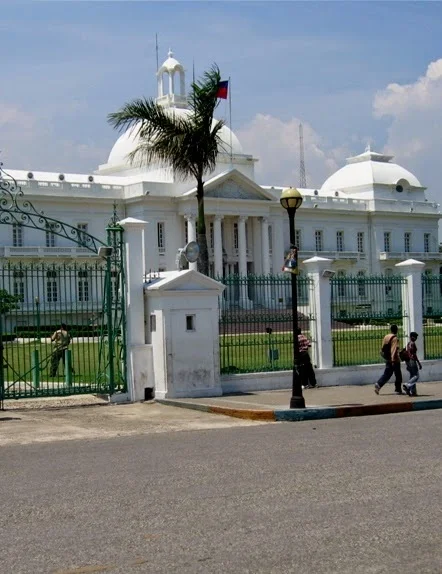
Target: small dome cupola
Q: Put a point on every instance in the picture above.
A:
(171, 80)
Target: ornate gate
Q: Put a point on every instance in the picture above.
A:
(37, 297)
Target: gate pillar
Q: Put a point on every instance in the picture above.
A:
(316, 266)
(138, 353)
(412, 301)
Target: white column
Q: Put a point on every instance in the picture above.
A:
(244, 300)
(218, 246)
(242, 246)
(265, 248)
(321, 327)
(412, 301)
(135, 331)
(191, 236)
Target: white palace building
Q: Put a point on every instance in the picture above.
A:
(366, 217)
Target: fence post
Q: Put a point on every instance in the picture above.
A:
(35, 365)
(68, 368)
(412, 300)
(322, 306)
(135, 273)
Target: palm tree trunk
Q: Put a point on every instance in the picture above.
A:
(203, 260)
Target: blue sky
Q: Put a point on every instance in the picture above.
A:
(66, 65)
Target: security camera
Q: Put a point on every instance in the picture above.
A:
(328, 273)
(399, 188)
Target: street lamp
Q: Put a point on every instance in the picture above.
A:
(291, 200)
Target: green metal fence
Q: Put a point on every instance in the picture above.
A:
(362, 310)
(432, 315)
(255, 321)
(35, 298)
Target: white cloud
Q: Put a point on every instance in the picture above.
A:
(414, 135)
(276, 144)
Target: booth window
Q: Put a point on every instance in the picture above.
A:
(190, 322)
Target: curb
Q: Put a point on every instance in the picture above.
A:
(308, 414)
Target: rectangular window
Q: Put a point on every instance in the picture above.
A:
(17, 235)
(82, 229)
(407, 242)
(360, 241)
(318, 240)
(161, 238)
(427, 242)
(298, 239)
(387, 241)
(212, 234)
(361, 284)
(341, 283)
(50, 235)
(339, 241)
(51, 287)
(190, 322)
(235, 236)
(19, 290)
(83, 286)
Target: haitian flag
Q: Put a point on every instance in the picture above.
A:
(223, 89)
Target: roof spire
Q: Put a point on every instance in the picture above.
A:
(368, 147)
(170, 53)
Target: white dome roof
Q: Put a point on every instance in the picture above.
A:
(368, 169)
(129, 141)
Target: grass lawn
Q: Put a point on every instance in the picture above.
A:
(89, 361)
(250, 353)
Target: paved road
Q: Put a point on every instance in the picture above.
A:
(355, 496)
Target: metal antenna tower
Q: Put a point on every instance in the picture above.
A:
(302, 178)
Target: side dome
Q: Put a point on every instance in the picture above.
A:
(369, 169)
(130, 140)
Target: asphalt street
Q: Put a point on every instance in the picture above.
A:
(357, 495)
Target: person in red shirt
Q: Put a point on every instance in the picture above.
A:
(413, 365)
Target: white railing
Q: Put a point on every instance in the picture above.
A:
(332, 254)
(36, 251)
(403, 255)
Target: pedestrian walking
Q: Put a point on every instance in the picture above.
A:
(413, 365)
(305, 367)
(390, 353)
(61, 340)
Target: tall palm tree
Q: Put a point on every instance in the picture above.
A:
(188, 144)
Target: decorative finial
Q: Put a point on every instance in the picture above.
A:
(368, 148)
(170, 53)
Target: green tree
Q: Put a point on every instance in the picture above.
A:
(189, 144)
(8, 302)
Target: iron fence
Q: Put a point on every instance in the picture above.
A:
(255, 322)
(362, 310)
(35, 299)
(432, 315)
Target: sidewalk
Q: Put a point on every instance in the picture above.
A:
(321, 403)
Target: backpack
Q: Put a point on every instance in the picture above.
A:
(386, 350)
(404, 355)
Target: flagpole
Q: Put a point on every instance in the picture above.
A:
(156, 49)
(230, 122)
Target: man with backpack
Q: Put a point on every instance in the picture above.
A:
(390, 354)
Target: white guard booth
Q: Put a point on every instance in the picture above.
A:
(181, 318)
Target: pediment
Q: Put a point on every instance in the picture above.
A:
(231, 189)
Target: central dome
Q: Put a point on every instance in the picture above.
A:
(130, 140)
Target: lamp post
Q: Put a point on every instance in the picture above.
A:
(291, 200)
(37, 305)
